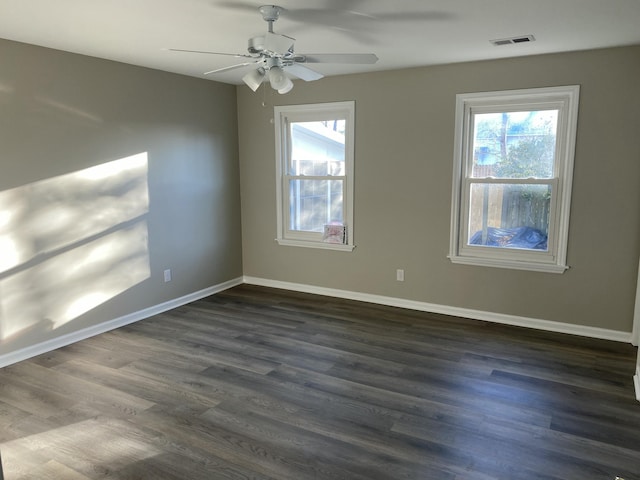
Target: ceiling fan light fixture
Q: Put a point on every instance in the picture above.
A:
(287, 88)
(279, 81)
(254, 78)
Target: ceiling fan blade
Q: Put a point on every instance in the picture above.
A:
(415, 16)
(274, 42)
(237, 6)
(302, 72)
(356, 58)
(232, 67)
(237, 55)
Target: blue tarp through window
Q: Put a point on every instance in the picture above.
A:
(520, 237)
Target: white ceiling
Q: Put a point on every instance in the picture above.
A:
(402, 33)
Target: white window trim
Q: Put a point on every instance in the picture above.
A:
(283, 116)
(554, 261)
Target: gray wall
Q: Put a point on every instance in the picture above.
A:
(404, 151)
(80, 246)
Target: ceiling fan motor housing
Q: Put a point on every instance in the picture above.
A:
(256, 45)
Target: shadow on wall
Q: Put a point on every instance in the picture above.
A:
(71, 243)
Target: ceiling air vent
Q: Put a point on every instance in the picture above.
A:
(512, 40)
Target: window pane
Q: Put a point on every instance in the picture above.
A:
(509, 216)
(312, 203)
(514, 144)
(317, 148)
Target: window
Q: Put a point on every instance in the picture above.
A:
(314, 155)
(513, 164)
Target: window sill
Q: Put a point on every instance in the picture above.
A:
(320, 245)
(512, 264)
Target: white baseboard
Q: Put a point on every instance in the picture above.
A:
(64, 340)
(636, 382)
(548, 325)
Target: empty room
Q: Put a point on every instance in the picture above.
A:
(355, 240)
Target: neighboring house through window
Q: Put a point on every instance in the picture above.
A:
(513, 165)
(314, 155)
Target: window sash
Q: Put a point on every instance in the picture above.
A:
(285, 117)
(473, 112)
(565, 101)
(522, 254)
(307, 234)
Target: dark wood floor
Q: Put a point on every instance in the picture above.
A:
(258, 383)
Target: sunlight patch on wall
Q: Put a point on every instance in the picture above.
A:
(71, 243)
(65, 286)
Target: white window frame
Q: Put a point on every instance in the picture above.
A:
(565, 99)
(284, 116)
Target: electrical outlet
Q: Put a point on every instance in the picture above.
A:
(400, 275)
(167, 275)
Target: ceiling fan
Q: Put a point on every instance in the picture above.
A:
(273, 58)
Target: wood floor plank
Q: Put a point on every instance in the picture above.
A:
(266, 384)
(148, 389)
(74, 388)
(352, 455)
